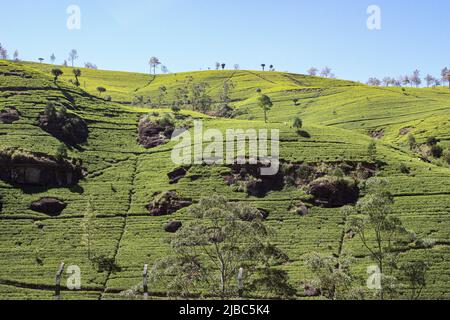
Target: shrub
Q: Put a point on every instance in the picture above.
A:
(412, 141)
(108, 98)
(403, 168)
(432, 141)
(447, 156)
(436, 151)
(61, 152)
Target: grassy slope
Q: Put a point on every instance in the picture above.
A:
(123, 176)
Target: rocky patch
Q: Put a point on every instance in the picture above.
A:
(9, 115)
(153, 133)
(334, 192)
(66, 127)
(173, 226)
(49, 206)
(177, 174)
(21, 167)
(311, 291)
(167, 203)
(247, 178)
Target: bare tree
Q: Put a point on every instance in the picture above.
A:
(73, 55)
(387, 81)
(236, 67)
(313, 71)
(154, 62)
(444, 73)
(415, 78)
(406, 80)
(375, 82)
(53, 58)
(217, 65)
(164, 69)
(448, 78)
(325, 72)
(16, 55)
(429, 80)
(3, 53)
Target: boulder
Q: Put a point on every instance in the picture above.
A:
(173, 226)
(68, 128)
(49, 206)
(177, 174)
(167, 203)
(9, 115)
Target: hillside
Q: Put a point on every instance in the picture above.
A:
(122, 177)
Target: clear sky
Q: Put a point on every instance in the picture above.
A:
(193, 34)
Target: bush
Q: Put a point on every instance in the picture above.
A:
(403, 168)
(61, 152)
(447, 156)
(108, 98)
(412, 142)
(436, 151)
(432, 141)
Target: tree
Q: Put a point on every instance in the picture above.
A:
(73, 55)
(90, 65)
(374, 82)
(219, 240)
(263, 66)
(429, 80)
(271, 68)
(313, 71)
(415, 78)
(448, 78)
(154, 62)
(297, 123)
(333, 276)
(89, 228)
(387, 81)
(223, 66)
(53, 58)
(162, 95)
(266, 104)
(65, 63)
(77, 73)
(56, 72)
(3, 53)
(326, 72)
(101, 90)
(378, 229)
(61, 152)
(406, 80)
(16, 55)
(372, 151)
(41, 60)
(415, 273)
(217, 65)
(444, 73)
(236, 67)
(164, 69)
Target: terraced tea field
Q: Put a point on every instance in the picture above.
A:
(122, 177)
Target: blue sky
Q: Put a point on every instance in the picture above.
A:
(193, 34)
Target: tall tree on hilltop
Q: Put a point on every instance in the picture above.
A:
(154, 62)
(313, 71)
(73, 55)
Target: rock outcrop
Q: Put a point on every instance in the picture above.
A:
(153, 133)
(9, 115)
(177, 174)
(49, 206)
(66, 127)
(334, 192)
(173, 226)
(21, 167)
(167, 203)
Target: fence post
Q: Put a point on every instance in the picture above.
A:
(145, 281)
(240, 282)
(58, 281)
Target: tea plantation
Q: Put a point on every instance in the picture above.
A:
(340, 119)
